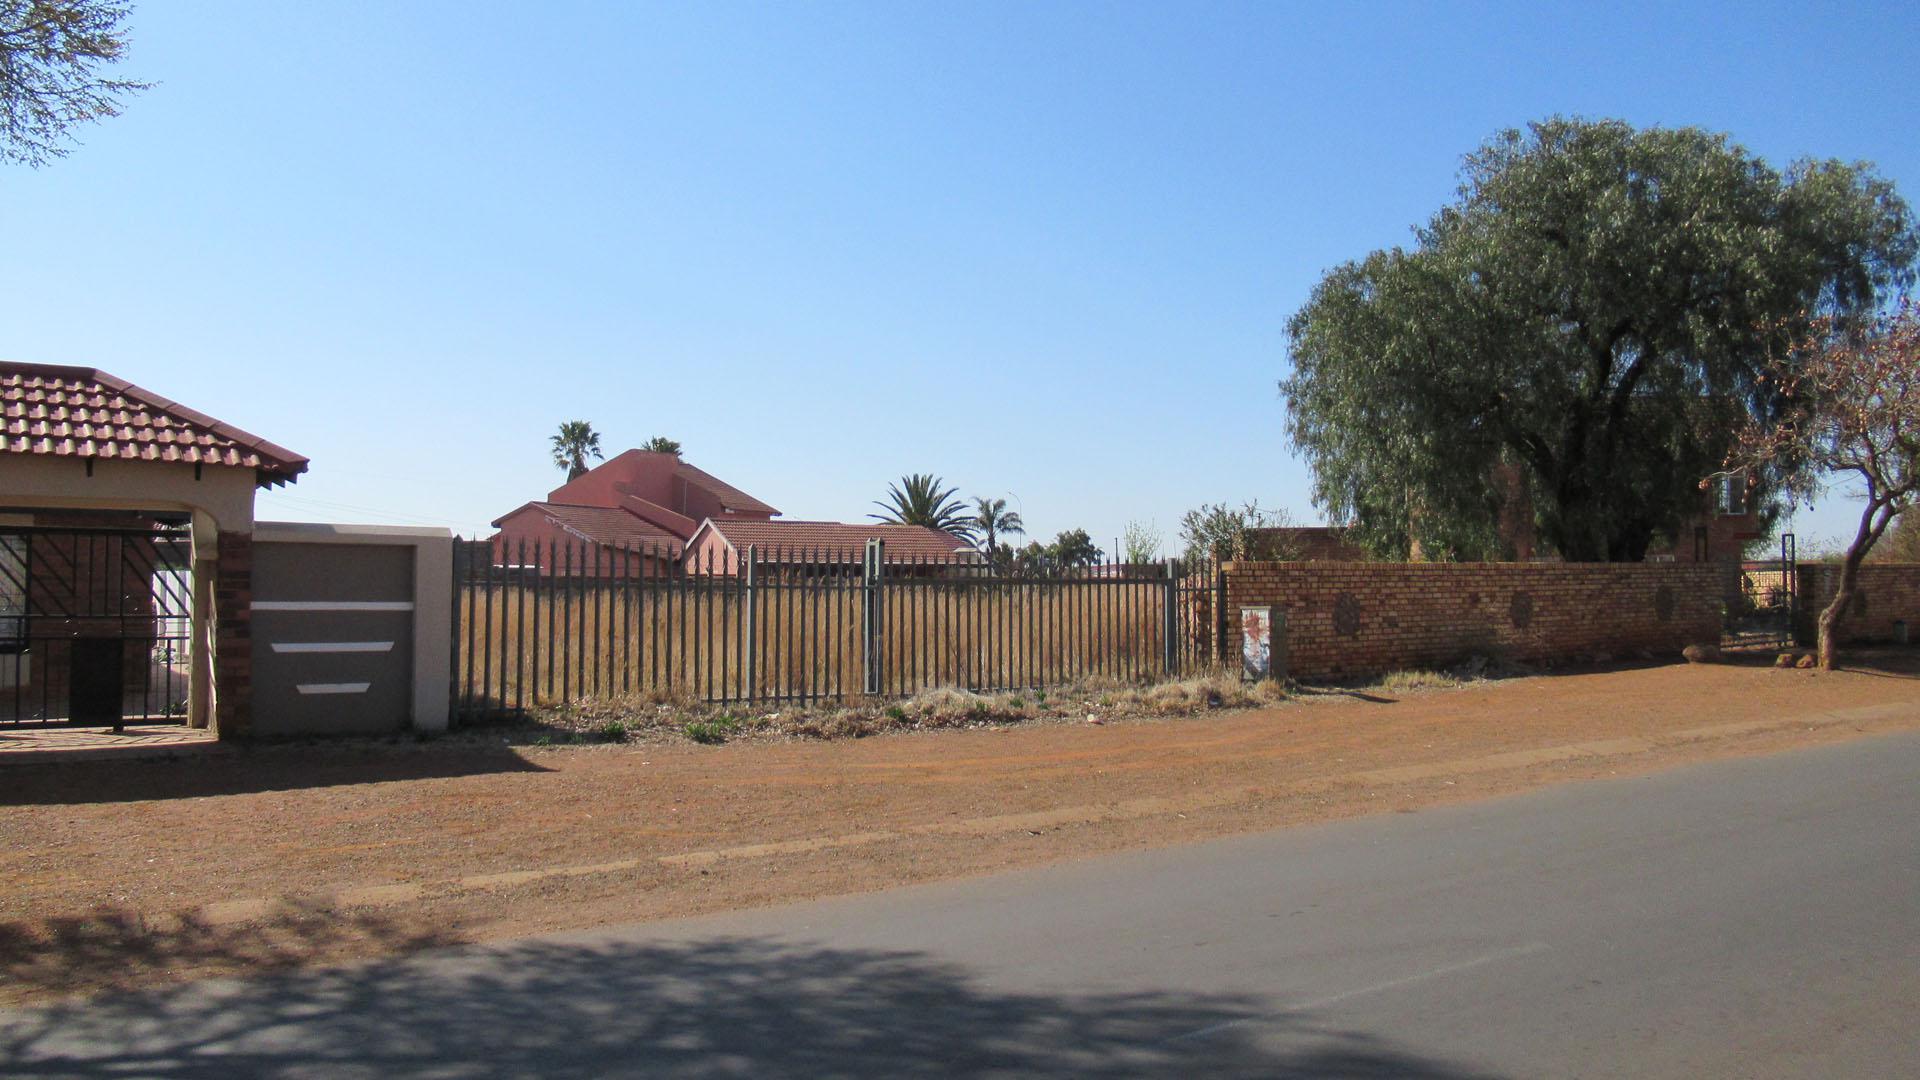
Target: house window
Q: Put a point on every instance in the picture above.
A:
(13, 594)
(1730, 495)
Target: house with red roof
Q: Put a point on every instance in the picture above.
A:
(630, 515)
(646, 513)
(720, 546)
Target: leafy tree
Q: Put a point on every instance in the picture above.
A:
(573, 444)
(1593, 311)
(50, 55)
(1850, 396)
(1140, 542)
(1219, 532)
(660, 444)
(920, 499)
(1073, 548)
(992, 519)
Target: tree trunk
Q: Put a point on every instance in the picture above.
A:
(1873, 522)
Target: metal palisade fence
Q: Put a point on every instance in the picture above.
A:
(540, 624)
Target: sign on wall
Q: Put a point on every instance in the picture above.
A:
(1261, 629)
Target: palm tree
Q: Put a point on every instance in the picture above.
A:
(919, 500)
(573, 443)
(993, 520)
(660, 444)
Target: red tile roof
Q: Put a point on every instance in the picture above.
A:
(787, 540)
(85, 413)
(730, 497)
(606, 526)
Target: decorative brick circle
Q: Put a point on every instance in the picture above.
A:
(1663, 603)
(1346, 615)
(1520, 610)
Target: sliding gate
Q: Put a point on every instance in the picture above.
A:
(94, 625)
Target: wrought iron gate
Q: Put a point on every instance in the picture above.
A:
(1761, 600)
(95, 625)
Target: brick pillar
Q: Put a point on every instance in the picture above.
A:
(233, 637)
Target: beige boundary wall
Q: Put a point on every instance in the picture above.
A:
(351, 628)
(1347, 619)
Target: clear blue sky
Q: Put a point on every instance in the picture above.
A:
(1039, 249)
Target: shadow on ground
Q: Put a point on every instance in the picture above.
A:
(110, 949)
(270, 767)
(729, 1007)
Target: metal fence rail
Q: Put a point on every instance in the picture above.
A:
(539, 624)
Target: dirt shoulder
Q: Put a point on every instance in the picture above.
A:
(136, 873)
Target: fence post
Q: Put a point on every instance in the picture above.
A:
(1220, 613)
(1170, 623)
(749, 607)
(871, 582)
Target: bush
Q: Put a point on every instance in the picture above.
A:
(712, 732)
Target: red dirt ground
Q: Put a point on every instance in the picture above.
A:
(135, 873)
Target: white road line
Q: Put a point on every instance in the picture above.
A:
(332, 687)
(332, 646)
(333, 605)
(1391, 984)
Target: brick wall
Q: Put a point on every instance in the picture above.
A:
(1887, 592)
(1347, 619)
(233, 636)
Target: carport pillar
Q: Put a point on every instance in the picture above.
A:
(220, 681)
(233, 636)
(200, 646)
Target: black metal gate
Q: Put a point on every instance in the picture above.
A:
(1761, 601)
(95, 625)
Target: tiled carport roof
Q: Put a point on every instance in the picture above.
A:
(82, 412)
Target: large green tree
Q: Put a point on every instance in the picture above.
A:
(1589, 317)
(51, 56)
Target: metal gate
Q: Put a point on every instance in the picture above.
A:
(95, 625)
(1761, 601)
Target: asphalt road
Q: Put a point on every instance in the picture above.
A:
(1745, 918)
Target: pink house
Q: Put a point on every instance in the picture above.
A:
(632, 514)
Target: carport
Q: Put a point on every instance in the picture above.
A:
(126, 534)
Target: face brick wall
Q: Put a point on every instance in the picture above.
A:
(1348, 619)
(233, 636)
(1887, 592)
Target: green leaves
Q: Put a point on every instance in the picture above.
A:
(1590, 313)
(920, 499)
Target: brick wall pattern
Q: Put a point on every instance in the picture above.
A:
(1887, 593)
(233, 636)
(1347, 619)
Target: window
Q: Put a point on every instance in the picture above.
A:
(1730, 495)
(13, 594)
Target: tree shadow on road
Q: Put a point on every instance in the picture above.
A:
(713, 1008)
(113, 949)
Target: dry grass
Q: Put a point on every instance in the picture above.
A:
(622, 719)
(1407, 682)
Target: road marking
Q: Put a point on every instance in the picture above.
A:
(332, 646)
(1376, 988)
